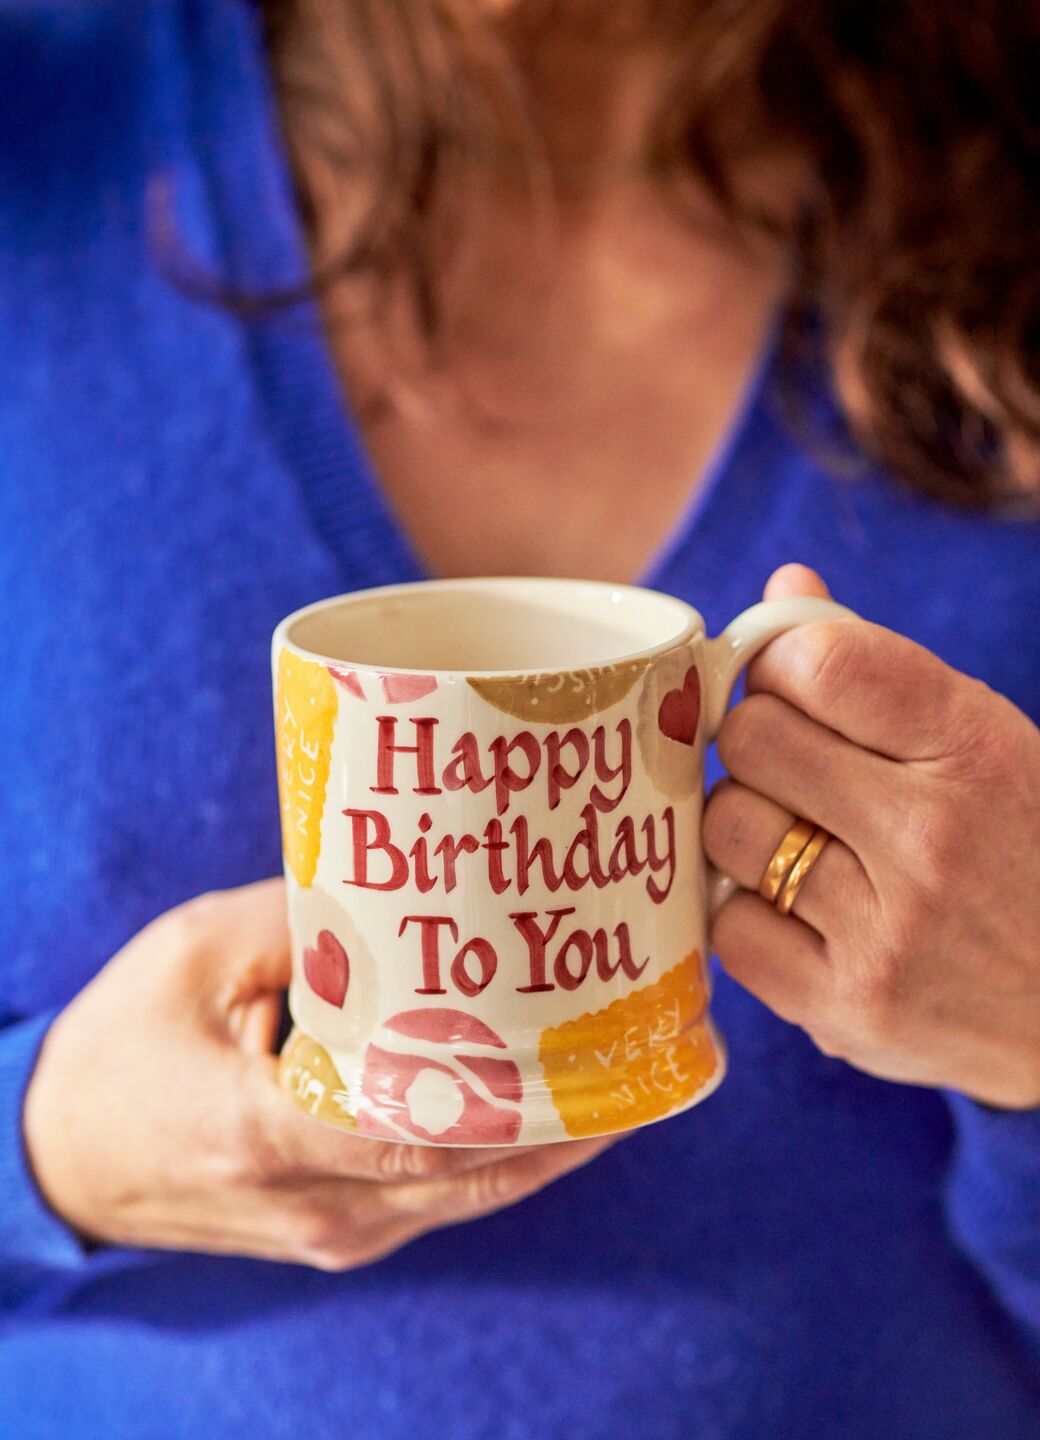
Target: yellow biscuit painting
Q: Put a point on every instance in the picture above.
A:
(306, 1071)
(634, 1061)
(305, 715)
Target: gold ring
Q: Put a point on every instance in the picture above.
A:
(783, 857)
(800, 870)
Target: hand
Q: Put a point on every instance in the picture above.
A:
(913, 949)
(153, 1117)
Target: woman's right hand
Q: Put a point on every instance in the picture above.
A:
(154, 1118)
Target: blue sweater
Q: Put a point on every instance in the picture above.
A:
(811, 1253)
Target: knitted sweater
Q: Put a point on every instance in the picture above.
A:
(810, 1253)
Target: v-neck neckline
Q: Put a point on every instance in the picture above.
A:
(307, 409)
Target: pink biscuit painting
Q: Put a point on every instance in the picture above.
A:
(447, 1086)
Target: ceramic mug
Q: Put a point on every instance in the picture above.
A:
(491, 795)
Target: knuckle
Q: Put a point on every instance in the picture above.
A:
(196, 913)
(332, 1262)
(314, 1234)
(745, 730)
(828, 658)
(725, 827)
(395, 1162)
(980, 731)
(828, 1041)
(316, 1240)
(726, 931)
(871, 999)
(182, 934)
(494, 1187)
(935, 844)
(229, 1164)
(249, 1154)
(378, 1244)
(338, 1237)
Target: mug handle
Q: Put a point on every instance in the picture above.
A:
(726, 656)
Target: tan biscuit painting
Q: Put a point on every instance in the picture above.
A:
(559, 698)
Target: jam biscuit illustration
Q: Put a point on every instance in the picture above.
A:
(666, 728)
(335, 988)
(680, 710)
(447, 1086)
(305, 715)
(348, 679)
(561, 697)
(635, 1060)
(403, 689)
(306, 1071)
(395, 689)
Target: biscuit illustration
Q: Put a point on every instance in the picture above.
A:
(335, 989)
(635, 1060)
(447, 1085)
(306, 1071)
(669, 712)
(560, 697)
(305, 716)
(393, 688)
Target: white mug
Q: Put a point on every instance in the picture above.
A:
(491, 796)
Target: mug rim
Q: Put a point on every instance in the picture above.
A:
(692, 622)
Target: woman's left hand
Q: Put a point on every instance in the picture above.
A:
(913, 948)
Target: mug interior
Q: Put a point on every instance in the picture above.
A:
(489, 626)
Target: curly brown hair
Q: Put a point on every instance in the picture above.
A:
(913, 245)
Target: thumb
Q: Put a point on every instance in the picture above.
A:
(794, 580)
(257, 933)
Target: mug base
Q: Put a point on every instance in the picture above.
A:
(310, 1078)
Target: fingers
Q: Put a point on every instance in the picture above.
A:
(491, 1187)
(774, 749)
(254, 1024)
(874, 687)
(777, 957)
(339, 1225)
(257, 916)
(232, 945)
(742, 830)
(337, 1201)
(793, 580)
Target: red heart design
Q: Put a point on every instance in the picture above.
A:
(327, 968)
(680, 710)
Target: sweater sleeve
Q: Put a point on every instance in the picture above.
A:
(39, 1253)
(993, 1201)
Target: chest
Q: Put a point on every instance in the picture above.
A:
(583, 483)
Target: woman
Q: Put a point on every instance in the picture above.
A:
(560, 254)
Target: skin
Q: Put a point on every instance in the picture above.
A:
(912, 949)
(911, 952)
(607, 340)
(212, 1155)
